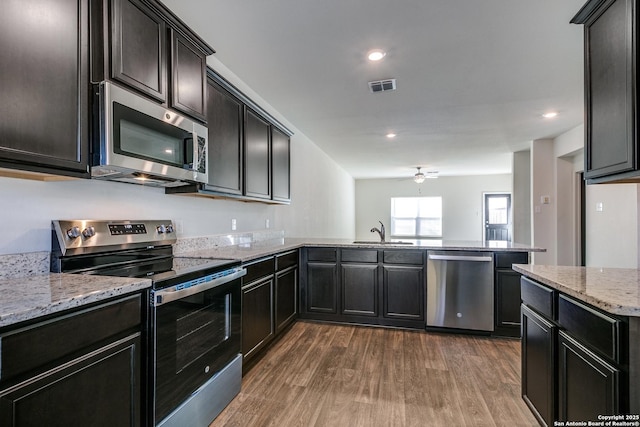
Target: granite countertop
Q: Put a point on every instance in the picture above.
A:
(254, 250)
(614, 290)
(29, 292)
(34, 296)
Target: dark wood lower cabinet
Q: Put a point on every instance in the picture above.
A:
(403, 290)
(365, 286)
(538, 365)
(286, 308)
(578, 362)
(360, 289)
(101, 388)
(257, 316)
(321, 293)
(83, 367)
(587, 385)
(269, 302)
(507, 293)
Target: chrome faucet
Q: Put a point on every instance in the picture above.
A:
(380, 231)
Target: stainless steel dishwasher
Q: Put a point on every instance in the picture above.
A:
(460, 291)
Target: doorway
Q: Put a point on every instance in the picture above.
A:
(497, 216)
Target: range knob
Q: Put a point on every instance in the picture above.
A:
(170, 228)
(161, 229)
(73, 232)
(89, 232)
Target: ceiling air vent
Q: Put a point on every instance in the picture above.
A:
(382, 85)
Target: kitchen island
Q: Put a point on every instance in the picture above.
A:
(580, 342)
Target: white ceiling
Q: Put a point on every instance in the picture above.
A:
(473, 76)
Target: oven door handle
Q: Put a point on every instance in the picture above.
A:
(168, 295)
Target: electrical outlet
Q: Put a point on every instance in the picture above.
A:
(234, 224)
(179, 225)
(266, 223)
(599, 207)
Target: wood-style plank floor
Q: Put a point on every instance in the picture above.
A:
(335, 375)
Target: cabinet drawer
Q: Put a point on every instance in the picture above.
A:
(35, 346)
(258, 269)
(538, 297)
(286, 260)
(589, 326)
(322, 254)
(506, 259)
(404, 257)
(359, 255)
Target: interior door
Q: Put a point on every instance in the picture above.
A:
(497, 217)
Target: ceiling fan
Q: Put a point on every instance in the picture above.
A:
(419, 177)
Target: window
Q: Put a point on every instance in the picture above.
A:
(416, 217)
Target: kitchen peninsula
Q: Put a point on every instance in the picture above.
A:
(580, 342)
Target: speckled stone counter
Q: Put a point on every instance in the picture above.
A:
(252, 250)
(614, 290)
(33, 296)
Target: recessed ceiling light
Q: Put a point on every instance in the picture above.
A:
(391, 135)
(550, 115)
(376, 55)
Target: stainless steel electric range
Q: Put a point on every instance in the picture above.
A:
(194, 330)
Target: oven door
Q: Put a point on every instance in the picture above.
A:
(195, 336)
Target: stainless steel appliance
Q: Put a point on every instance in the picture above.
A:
(460, 290)
(195, 365)
(140, 142)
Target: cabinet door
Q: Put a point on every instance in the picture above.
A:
(101, 388)
(587, 385)
(281, 171)
(257, 317)
(538, 365)
(257, 156)
(188, 77)
(507, 302)
(286, 297)
(138, 48)
(224, 121)
(44, 113)
(403, 293)
(321, 289)
(610, 95)
(360, 289)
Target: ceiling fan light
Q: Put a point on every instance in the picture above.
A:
(419, 178)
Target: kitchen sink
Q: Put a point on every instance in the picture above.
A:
(371, 242)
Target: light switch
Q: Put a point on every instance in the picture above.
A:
(545, 200)
(599, 207)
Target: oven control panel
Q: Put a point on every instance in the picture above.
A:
(74, 237)
(119, 229)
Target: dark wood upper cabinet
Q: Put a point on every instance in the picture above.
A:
(224, 121)
(44, 114)
(281, 165)
(611, 116)
(257, 156)
(249, 150)
(188, 77)
(143, 45)
(138, 48)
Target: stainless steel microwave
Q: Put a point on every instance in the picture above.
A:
(140, 142)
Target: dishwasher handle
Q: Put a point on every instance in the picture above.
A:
(460, 258)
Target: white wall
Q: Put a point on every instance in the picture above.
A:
(323, 201)
(462, 198)
(522, 197)
(543, 232)
(611, 235)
